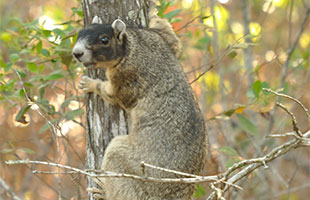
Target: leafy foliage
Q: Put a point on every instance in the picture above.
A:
(38, 73)
(38, 60)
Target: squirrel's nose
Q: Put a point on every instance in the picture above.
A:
(78, 55)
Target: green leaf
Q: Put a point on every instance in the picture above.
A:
(28, 84)
(232, 54)
(54, 76)
(200, 191)
(74, 113)
(6, 150)
(44, 128)
(58, 32)
(21, 73)
(20, 117)
(22, 93)
(172, 14)
(26, 150)
(66, 58)
(2, 63)
(8, 66)
(46, 106)
(46, 33)
(45, 52)
(66, 102)
(14, 57)
(229, 163)
(257, 88)
(229, 112)
(202, 42)
(175, 20)
(78, 11)
(32, 67)
(247, 125)
(228, 151)
(39, 46)
(265, 85)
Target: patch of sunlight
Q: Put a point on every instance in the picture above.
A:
(73, 105)
(254, 63)
(221, 15)
(212, 80)
(255, 28)
(270, 55)
(227, 87)
(269, 7)
(279, 3)
(48, 23)
(282, 56)
(19, 124)
(65, 127)
(187, 3)
(223, 1)
(304, 40)
(297, 62)
(237, 28)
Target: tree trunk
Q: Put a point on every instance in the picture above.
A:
(105, 121)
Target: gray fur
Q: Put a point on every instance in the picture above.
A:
(167, 128)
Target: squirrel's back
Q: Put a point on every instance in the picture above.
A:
(166, 126)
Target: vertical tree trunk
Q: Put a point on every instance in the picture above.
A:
(105, 121)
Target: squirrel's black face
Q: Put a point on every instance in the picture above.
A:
(101, 45)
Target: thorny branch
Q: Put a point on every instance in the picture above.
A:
(219, 183)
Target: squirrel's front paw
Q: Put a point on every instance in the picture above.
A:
(97, 193)
(87, 84)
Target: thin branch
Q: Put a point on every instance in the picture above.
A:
(200, 75)
(291, 98)
(294, 122)
(8, 190)
(54, 128)
(258, 162)
(143, 164)
(293, 47)
(249, 165)
(285, 66)
(191, 21)
(105, 174)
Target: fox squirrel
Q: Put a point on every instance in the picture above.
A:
(145, 78)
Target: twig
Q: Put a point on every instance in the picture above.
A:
(48, 172)
(191, 21)
(288, 97)
(294, 122)
(54, 128)
(285, 67)
(143, 164)
(291, 98)
(202, 74)
(8, 190)
(293, 47)
(104, 174)
(289, 134)
(258, 162)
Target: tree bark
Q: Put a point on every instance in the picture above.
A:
(104, 121)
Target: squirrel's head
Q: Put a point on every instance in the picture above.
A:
(101, 45)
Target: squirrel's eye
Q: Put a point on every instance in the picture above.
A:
(105, 40)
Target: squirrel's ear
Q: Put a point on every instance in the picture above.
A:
(119, 28)
(96, 20)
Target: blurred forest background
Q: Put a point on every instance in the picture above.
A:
(231, 50)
